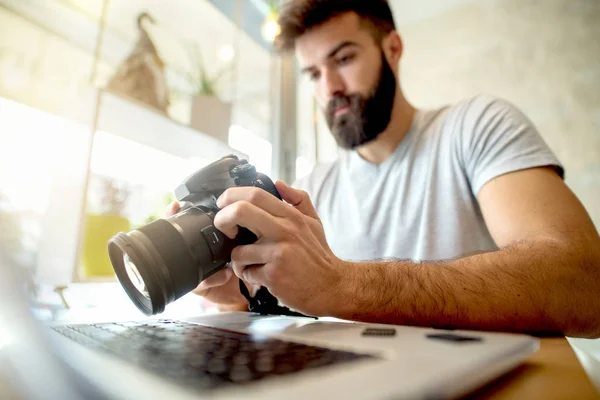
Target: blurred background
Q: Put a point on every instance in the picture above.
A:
(86, 151)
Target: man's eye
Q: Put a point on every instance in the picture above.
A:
(315, 76)
(345, 59)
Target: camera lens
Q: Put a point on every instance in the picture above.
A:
(168, 258)
(134, 276)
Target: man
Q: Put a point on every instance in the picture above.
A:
(469, 195)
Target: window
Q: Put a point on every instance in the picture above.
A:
(259, 150)
(42, 171)
(72, 153)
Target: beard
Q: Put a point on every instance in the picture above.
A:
(367, 116)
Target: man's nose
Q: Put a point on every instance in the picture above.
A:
(333, 85)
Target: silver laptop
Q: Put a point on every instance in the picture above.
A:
(241, 355)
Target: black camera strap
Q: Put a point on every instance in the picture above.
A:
(265, 303)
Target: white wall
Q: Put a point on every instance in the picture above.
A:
(544, 56)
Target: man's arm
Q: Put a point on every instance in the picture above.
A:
(545, 277)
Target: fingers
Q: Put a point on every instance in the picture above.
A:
(256, 275)
(297, 198)
(254, 254)
(247, 215)
(218, 279)
(172, 208)
(259, 197)
(255, 263)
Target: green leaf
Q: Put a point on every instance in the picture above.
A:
(203, 83)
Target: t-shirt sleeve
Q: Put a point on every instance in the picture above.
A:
(496, 138)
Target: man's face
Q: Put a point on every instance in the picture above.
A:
(352, 80)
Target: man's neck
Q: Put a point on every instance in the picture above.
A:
(380, 149)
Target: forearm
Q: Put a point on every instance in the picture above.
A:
(536, 286)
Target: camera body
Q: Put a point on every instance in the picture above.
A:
(204, 187)
(166, 259)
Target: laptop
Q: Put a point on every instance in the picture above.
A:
(241, 355)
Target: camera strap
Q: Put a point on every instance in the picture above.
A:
(264, 303)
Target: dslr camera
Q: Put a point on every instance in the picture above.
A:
(168, 258)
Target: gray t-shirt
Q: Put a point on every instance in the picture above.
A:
(421, 203)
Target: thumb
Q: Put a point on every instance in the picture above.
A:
(172, 208)
(297, 198)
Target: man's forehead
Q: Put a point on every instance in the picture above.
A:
(314, 45)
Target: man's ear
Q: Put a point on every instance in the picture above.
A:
(393, 48)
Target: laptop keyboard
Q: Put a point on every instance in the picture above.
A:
(201, 357)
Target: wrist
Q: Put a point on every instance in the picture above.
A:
(344, 299)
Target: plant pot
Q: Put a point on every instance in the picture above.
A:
(211, 116)
(98, 231)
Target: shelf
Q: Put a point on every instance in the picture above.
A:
(130, 119)
(59, 171)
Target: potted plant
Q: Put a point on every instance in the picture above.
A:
(103, 225)
(210, 114)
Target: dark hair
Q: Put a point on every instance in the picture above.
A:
(298, 16)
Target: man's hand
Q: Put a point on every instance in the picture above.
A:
(291, 256)
(221, 288)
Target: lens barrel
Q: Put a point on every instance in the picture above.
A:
(172, 256)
